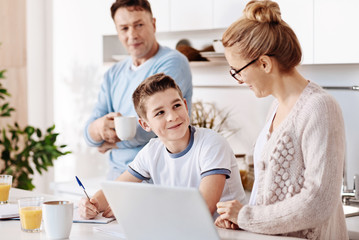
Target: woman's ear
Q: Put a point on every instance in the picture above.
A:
(144, 125)
(266, 63)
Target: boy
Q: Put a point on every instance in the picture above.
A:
(182, 155)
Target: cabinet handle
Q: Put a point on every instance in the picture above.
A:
(353, 88)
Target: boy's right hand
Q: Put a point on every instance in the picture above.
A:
(88, 209)
(108, 213)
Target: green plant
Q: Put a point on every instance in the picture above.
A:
(25, 150)
(206, 115)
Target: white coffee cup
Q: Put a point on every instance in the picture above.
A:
(58, 217)
(125, 127)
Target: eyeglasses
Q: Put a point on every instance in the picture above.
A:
(236, 73)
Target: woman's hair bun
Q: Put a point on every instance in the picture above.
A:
(262, 11)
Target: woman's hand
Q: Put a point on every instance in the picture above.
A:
(222, 223)
(229, 210)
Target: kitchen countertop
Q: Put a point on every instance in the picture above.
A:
(353, 227)
(10, 229)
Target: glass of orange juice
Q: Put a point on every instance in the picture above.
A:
(30, 211)
(5, 185)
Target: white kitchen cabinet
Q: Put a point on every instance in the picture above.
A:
(191, 15)
(336, 36)
(226, 12)
(185, 15)
(325, 37)
(299, 16)
(161, 11)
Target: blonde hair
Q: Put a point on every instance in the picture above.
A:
(261, 31)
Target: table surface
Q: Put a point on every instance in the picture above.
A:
(10, 229)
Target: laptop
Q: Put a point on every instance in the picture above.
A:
(147, 211)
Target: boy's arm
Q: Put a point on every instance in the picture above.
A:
(127, 177)
(211, 188)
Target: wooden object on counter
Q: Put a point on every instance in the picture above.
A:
(191, 53)
(246, 171)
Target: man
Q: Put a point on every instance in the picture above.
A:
(136, 29)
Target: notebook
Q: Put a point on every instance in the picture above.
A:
(10, 210)
(98, 219)
(147, 211)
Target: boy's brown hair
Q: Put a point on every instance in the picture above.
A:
(151, 85)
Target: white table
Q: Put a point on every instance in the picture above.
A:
(10, 229)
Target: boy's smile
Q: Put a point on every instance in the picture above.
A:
(167, 116)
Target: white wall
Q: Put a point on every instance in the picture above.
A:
(64, 55)
(39, 74)
(77, 46)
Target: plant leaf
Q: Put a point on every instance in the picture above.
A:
(29, 130)
(21, 151)
(2, 73)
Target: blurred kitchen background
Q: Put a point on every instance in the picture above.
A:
(56, 52)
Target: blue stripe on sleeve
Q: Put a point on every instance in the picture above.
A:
(136, 174)
(222, 171)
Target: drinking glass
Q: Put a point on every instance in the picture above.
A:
(5, 185)
(30, 210)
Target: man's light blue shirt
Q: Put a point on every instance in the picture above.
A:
(115, 95)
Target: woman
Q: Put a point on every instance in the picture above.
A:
(299, 154)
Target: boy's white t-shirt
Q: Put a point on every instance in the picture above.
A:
(207, 153)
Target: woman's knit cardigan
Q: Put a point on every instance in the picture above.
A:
(300, 173)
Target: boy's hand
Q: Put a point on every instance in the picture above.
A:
(88, 209)
(108, 213)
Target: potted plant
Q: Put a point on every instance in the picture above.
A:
(206, 115)
(24, 150)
